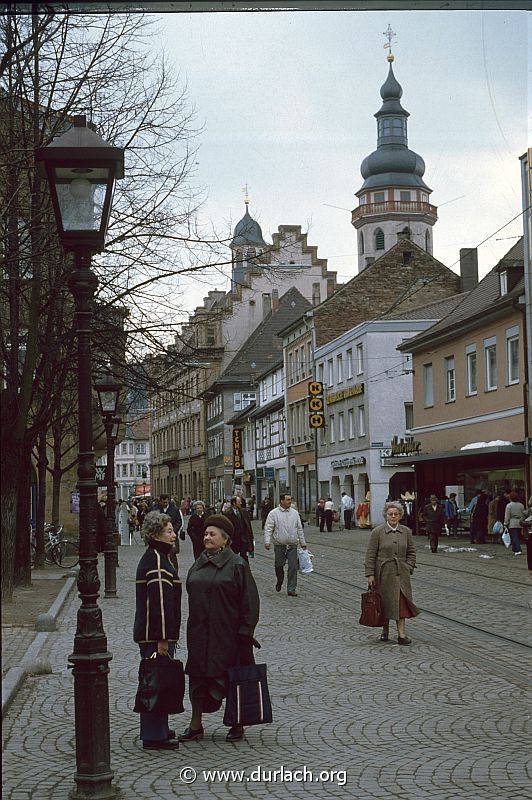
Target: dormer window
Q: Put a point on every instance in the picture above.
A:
(503, 282)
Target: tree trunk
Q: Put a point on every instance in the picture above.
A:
(42, 463)
(22, 567)
(8, 512)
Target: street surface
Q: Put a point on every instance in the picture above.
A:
(447, 718)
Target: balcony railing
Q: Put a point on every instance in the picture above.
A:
(394, 207)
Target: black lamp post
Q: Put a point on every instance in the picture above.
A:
(81, 170)
(108, 390)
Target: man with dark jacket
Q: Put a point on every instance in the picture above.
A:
(434, 520)
(242, 538)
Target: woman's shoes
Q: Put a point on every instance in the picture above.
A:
(190, 735)
(404, 640)
(235, 734)
(384, 637)
(163, 744)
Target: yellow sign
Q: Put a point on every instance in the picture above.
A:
(237, 448)
(315, 404)
(316, 420)
(343, 394)
(315, 388)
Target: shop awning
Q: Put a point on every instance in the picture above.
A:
(507, 449)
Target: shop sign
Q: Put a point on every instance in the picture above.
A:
(404, 447)
(74, 502)
(343, 394)
(228, 461)
(269, 473)
(316, 405)
(100, 475)
(247, 477)
(354, 461)
(237, 448)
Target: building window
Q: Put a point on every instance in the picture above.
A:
(490, 364)
(351, 423)
(503, 282)
(409, 416)
(320, 373)
(512, 355)
(140, 448)
(274, 384)
(450, 380)
(341, 431)
(378, 197)
(361, 242)
(124, 448)
(361, 421)
(471, 369)
(428, 391)
(331, 429)
(290, 368)
(379, 239)
(360, 359)
(349, 357)
(330, 365)
(339, 368)
(427, 241)
(242, 400)
(404, 196)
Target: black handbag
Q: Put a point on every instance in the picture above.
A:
(161, 685)
(248, 697)
(371, 607)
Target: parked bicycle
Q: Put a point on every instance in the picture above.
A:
(57, 550)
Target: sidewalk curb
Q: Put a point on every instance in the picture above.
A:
(14, 676)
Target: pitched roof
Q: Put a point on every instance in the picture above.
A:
(484, 299)
(436, 310)
(264, 346)
(403, 278)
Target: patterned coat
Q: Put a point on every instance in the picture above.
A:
(158, 597)
(391, 559)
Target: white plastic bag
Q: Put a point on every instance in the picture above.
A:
(506, 538)
(305, 561)
(446, 530)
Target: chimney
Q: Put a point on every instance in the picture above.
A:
(468, 268)
(266, 304)
(275, 300)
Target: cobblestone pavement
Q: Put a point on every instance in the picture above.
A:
(447, 718)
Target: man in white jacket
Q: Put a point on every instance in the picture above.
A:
(283, 526)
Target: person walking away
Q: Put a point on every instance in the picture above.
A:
(242, 538)
(434, 520)
(283, 527)
(514, 515)
(251, 506)
(157, 616)
(196, 529)
(348, 505)
(223, 604)
(122, 524)
(450, 510)
(265, 508)
(329, 509)
(479, 517)
(389, 563)
(320, 514)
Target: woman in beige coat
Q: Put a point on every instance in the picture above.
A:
(390, 560)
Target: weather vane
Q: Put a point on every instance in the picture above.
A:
(389, 34)
(246, 189)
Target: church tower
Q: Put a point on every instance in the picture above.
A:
(394, 199)
(246, 246)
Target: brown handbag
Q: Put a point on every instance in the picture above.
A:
(371, 616)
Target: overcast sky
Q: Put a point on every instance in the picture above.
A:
(287, 100)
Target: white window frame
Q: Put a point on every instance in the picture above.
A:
(361, 421)
(360, 358)
(409, 412)
(470, 358)
(450, 380)
(332, 438)
(341, 428)
(330, 376)
(351, 423)
(490, 347)
(349, 364)
(428, 386)
(503, 283)
(512, 338)
(339, 368)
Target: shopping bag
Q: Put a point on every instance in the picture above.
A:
(498, 527)
(161, 685)
(506, 539)
(371, 604)
(305, 561)
(248, 697)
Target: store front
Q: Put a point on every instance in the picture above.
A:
(493, 469)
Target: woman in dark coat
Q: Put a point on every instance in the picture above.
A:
(223, 612)
(390, 560)
(157, 616)
(195, 528)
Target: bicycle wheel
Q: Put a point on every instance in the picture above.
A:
(49, 553)
(66, 554)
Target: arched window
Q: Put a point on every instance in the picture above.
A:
(427, 241)
(379, 239)
(361, 242)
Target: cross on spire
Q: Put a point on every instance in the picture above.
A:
(389, 34)
(246, 189)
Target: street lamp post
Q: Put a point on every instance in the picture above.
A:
(81, 170)
(108, 390)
